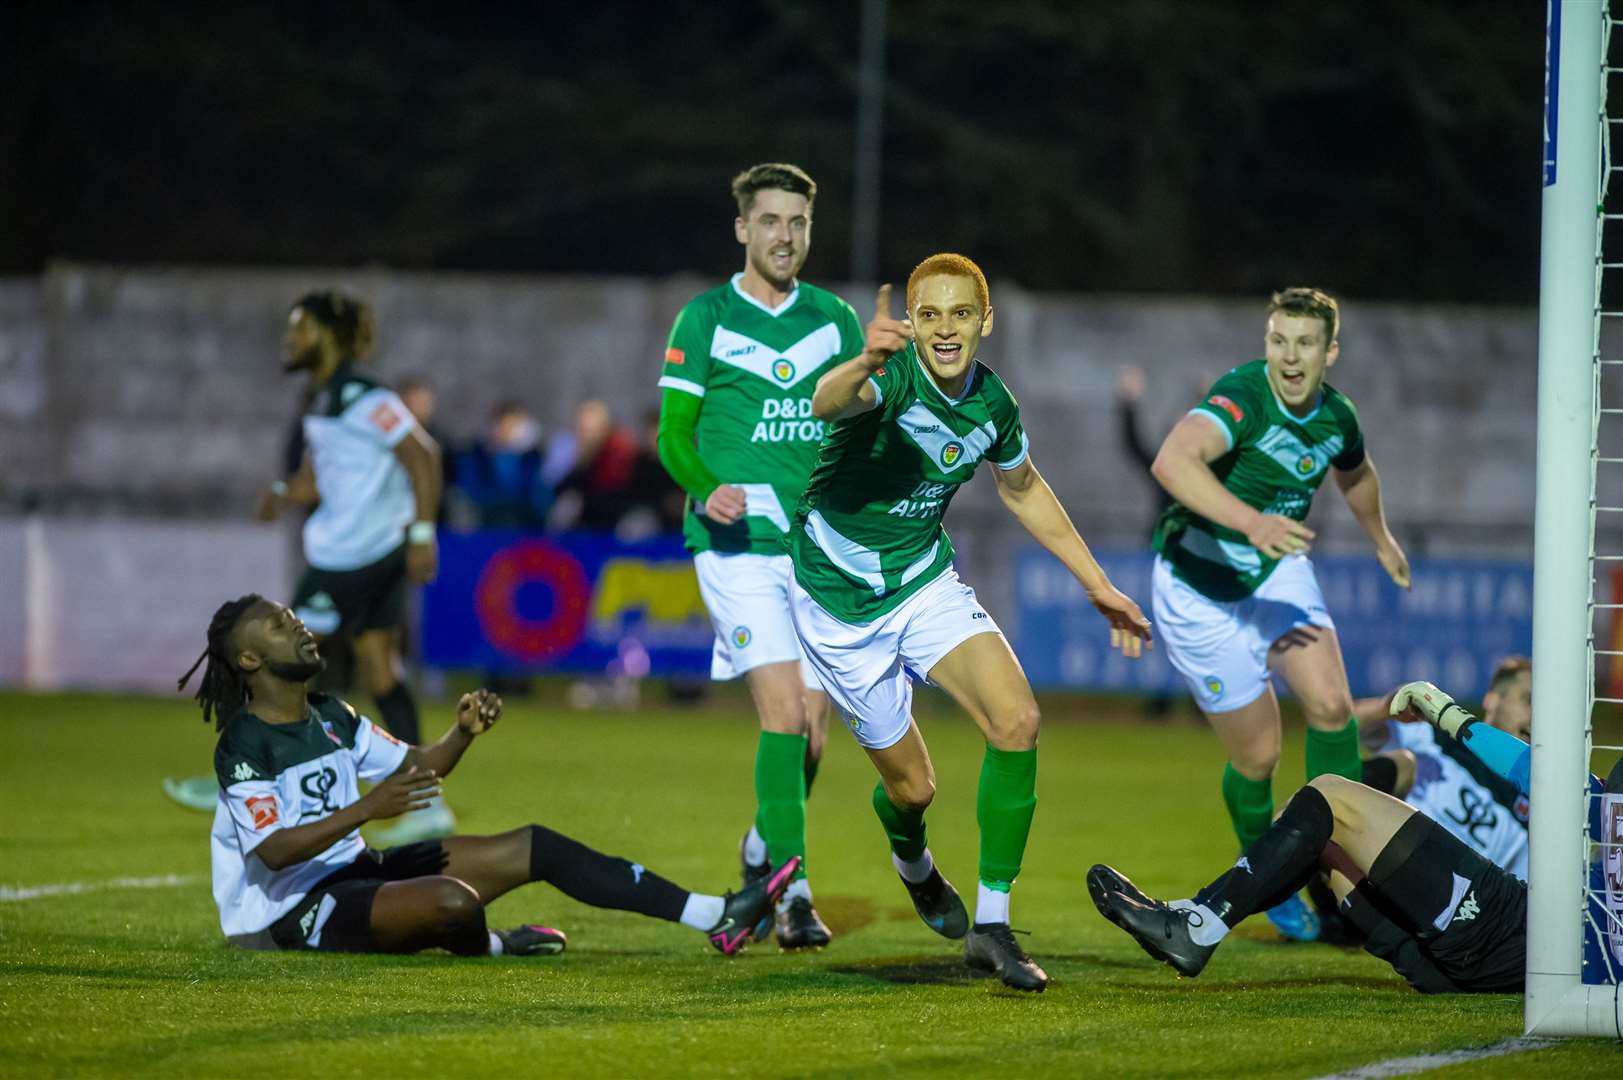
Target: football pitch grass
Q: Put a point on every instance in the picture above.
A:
(120, 979)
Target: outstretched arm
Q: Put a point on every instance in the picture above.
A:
(1033, 503)
(1500, 751)
(476, 713)
(845, 390)
(1361, 487)
(1183, 468)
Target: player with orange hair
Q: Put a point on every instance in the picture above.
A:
(875, 598)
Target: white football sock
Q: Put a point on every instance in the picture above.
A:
(754, 847)
(991, 906)
(1205, 928)
(915, 871)
(702, 912)
(495, 944)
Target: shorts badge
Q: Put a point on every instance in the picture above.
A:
(741, 636)
(1214, 686)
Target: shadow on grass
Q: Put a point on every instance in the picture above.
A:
(912, 970)
(1317, 982)
(847, 914)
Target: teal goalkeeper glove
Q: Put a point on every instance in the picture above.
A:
(1432, 704)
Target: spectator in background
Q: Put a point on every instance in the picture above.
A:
(654, 502)
(501, 473)
(593, 494)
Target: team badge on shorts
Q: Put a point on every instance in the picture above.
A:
(854, 724)
(951, 453)
(1214, 686)
(783, 371)
(741, 636)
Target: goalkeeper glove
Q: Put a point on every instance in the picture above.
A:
(1432, 704)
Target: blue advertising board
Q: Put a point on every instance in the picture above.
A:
(515, 602)
(1461, 616)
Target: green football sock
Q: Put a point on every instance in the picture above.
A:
(1004, 805)
(1335, 752)
(904, 828)
(780, 796)
(1250, 803)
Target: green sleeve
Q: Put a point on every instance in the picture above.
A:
(1012, 447)
(678, 413)
(1233, 404)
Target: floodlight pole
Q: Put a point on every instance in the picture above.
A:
(1557, 1002)
(870, 131)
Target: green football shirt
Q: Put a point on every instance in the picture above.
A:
(756, 367)
(1275, 462)
(868, 531)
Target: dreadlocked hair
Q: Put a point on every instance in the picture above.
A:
(349, 319)
(223, 689)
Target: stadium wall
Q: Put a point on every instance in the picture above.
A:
(157, 390)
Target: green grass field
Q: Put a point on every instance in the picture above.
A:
(125, 981)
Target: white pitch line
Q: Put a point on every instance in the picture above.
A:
(11, 894)
(1406, 1066)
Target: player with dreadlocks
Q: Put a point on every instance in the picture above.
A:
(290, 868)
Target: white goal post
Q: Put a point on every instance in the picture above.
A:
(1577, 167)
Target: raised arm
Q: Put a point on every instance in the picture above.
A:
(1183, 468)
(1033, 503)
(1361, 487)
(1500, 751)
(409, 789)
(845, 390)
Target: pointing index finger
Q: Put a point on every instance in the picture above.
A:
(882, 302)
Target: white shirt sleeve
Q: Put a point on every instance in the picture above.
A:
(380, 415)
(256, 811)
(377, 754)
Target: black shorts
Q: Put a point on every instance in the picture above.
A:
(345, 924)
(1468, 915)
(372, 597)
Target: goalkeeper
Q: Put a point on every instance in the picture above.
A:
(1441, 914)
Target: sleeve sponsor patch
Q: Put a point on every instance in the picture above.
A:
(675, 356)
(263, 808)
(384, 418)
(1227, 405)
(384, 734)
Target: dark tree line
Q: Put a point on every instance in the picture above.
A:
(1387, 148)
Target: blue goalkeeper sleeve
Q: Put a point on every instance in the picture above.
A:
(1500, 751)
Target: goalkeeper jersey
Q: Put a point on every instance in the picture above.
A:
(868, 531)
(1275, 462)
(275, 776)
(756, 367)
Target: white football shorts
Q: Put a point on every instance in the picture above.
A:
(747, 596)
(864, 669)
(1221, 648)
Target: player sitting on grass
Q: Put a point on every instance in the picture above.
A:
(290, 868)
(1440, 913)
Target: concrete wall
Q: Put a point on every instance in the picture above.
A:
(158, 390)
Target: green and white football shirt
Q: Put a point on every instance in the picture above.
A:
(1275, 462)
(275, 776)
(756, 367)
(868, 531)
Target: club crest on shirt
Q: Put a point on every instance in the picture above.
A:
(783, 370)
(951, 453)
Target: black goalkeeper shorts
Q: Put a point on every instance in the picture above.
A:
(348, 602)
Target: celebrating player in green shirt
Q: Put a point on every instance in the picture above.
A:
(1235, 596)
(875, 596)
(736, 430)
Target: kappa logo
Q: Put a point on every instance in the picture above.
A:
(320, 601)
(1244, 864)
(637, 871)
(243, 771)
(1468, 909)
(783, 371)
(742, 636)
(951, 453)
(308, 923)
(350, 392)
